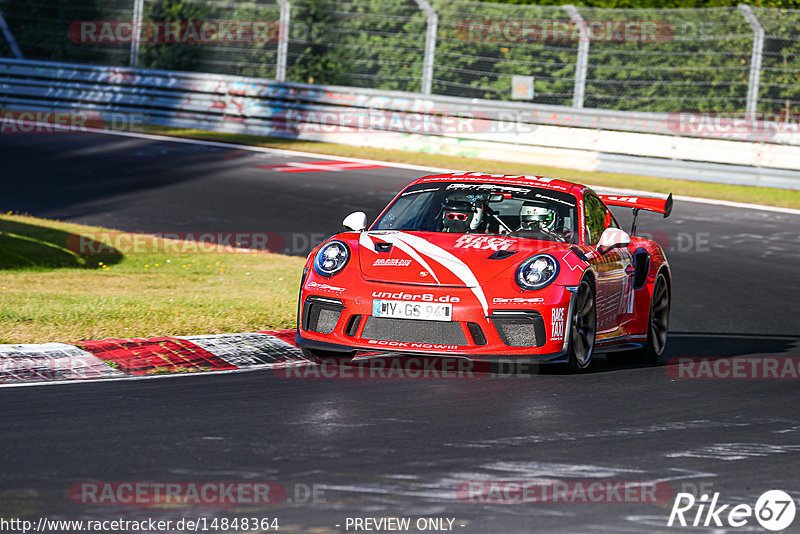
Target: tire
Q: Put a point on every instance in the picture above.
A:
(327, 356)
(583, 328)
(658, 324)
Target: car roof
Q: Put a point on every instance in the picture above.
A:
(503, 179)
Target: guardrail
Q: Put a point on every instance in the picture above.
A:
(715, 58)
(709, 147)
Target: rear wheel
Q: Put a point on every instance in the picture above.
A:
(327, 356)
(660, 304)
(583, 328)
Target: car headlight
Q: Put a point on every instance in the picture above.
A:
(537, 272)
(331, 258)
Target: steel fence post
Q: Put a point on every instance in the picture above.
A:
(582, 62)
(283, 40)
(138, 7)
(12, 43)
(430, 45)
(755, 58)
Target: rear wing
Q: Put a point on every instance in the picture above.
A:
(636, 203)
(658, 205)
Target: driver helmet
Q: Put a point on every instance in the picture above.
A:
(459, 216)
(537, 216)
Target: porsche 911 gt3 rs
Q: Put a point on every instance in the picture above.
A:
(521, 268)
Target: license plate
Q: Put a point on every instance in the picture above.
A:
(424, 311)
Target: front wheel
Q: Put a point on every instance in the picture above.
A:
(327, 356)
(583, 328)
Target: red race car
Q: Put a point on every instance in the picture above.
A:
(487, 266)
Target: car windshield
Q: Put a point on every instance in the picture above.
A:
(476, 208)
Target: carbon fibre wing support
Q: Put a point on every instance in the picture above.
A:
(636, 203)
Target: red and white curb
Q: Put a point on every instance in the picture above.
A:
(119, 358)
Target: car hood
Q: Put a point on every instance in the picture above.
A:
(442, 259)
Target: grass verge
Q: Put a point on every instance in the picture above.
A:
(51, 292)
(756, 195)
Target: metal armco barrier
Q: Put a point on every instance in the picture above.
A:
(686, 146)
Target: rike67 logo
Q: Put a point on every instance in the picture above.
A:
(774, 510)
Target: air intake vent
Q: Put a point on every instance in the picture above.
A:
(477, 334)
(352, 325)
(520, 329)
(412, 331)
(502, 254)
(641, 262)
(321, 315)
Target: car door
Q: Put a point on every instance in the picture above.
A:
(614, 290)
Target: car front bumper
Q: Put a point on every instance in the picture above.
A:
(533, 327)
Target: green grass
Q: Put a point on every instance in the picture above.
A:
(50, 292)
(757, 195)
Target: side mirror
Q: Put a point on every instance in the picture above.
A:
(356, 221)
(613, 238)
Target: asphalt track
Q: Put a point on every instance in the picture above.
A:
(401, 447)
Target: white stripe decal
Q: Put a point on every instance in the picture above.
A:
(365, 240)
(448, 261)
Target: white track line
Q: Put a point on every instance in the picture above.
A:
(682, 198)
(266, 150)
(251, 148)
(425, 168)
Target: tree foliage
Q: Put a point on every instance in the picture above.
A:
(700, 60)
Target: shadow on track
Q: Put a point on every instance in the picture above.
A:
(713, 345)
(709, 344)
